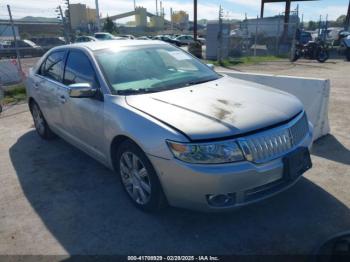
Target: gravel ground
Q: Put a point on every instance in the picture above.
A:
(54, 199)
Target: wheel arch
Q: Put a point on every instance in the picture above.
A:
(116, 142)
(31, 100)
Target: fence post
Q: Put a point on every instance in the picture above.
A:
(15, 40)
(256, 34)
(278, 36)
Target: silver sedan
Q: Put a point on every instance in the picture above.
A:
(174, 130)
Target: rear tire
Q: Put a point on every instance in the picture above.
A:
(322, 56)
(295, 57)
(40, 123)
(139, 178)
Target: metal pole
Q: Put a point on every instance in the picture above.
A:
(97, 16)
(286, 20)
(64, 25)
(69, 22)
(262, 9)
(195, 20)
(15, 39)
(171, 20)
(220, 36)
(278, 35)
(156, 7)
(319, 26)
(256, 34)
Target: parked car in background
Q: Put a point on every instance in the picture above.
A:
(107, 36)
(341, 35)
(130, 37)
(143, 38)
(173, 129)
(167, 39)
(85, 38)
(187, 39)
(47, 43)
(25, 48)
(305, 37)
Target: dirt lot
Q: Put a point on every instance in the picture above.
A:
(54, 199)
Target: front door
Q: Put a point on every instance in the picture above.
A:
(83, 117)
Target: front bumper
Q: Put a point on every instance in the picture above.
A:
(188, 185)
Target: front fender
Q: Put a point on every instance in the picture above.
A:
(148, 133)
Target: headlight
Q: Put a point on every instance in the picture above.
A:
(207, 153)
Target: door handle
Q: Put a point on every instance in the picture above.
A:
(36, 85)
(63, 99)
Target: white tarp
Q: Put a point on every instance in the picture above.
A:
(9, 73)
(313, 93)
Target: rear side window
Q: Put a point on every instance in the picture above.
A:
(53, 66)
(79, 70)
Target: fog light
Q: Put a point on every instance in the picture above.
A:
(221, 200)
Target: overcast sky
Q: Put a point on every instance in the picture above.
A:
(206, 8)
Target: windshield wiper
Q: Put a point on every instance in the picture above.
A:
(138, 91)
(200, 81)
(160, 87)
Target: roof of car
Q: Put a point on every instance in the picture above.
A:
(99, 45)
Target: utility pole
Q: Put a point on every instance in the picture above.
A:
(171, 20)
(195, 35)
(134, 4)
(69, 20)
(66, 38)
(15, 39)
(256, 34)
(98, 15)
(220, 36)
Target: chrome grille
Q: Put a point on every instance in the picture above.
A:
(274, 143)
(299, 130)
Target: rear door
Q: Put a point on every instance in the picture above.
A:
(83, 117)
(46, 82)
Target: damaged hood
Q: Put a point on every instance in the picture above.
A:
(220, 108)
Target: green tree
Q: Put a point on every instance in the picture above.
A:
(340, 20)
(109, 26)
(312, 25)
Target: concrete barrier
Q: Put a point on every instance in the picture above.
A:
(9, 73)
(313, 93)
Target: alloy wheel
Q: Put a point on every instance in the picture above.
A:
(135, 178)
(39, 121)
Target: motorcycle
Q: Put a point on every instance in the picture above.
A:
(312, 51)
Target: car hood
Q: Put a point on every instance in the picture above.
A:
(217, 109)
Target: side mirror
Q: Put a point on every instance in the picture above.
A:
(81, 90)
(211, 66)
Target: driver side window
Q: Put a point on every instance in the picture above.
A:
(52, 67)
(79, 70)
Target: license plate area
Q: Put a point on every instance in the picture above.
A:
(296, 163)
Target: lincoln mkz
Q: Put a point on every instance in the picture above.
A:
(174, 130)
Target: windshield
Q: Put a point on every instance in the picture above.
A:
(151, 69)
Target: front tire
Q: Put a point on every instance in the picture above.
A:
(322, 56)
(139, 178)
(41, 126)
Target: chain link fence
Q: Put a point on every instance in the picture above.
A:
(254, 37)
